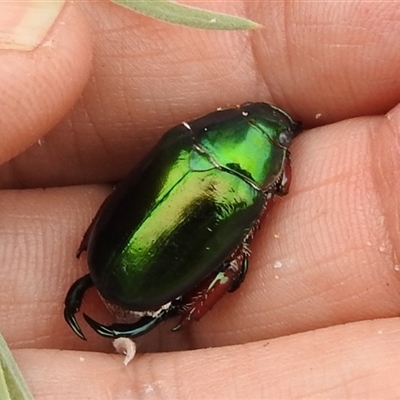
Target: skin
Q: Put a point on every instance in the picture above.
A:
(317, 314)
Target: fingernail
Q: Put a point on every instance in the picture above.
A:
(24, 24)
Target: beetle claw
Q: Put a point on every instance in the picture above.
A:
(138, 328)
(73, 302)
(102, 330)
(73, 323)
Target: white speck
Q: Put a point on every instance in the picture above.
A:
(245, 113)
(396, 267)
(369, 244)
(125, 346)
(318, 116)
(278, 264)
(81, 359)
(48, 43)
(40, 142)
(381, 248)
(380, 332)
(148, 388)
(277, 235)
(213, 20)
(205, 129)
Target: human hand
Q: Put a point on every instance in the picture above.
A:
(325, 256)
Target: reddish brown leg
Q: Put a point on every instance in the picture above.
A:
(203, 298)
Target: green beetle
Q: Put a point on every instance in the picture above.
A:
(174, 236)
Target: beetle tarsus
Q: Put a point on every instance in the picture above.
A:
(82, 248)
(73, 302)
(114, 331)
(84, 243)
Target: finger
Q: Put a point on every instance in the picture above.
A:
(150, 76)
(357, 360)
(38, 87)
(317, 59)
(324, 256)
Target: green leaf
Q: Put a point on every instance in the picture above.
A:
(180, 14)
(12, 384)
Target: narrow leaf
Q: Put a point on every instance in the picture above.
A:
(12, 384)
(181, 14)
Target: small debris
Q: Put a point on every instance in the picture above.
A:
(127, 347)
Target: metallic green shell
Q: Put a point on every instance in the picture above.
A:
(177, 217)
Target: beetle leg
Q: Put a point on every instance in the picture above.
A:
(282, 187)
(138, 328)
(84, 243)
(203, 298)
(240, 277)
(85, 240)
(242, 255)
(73, 302)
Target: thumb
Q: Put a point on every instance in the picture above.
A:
(45, 59)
